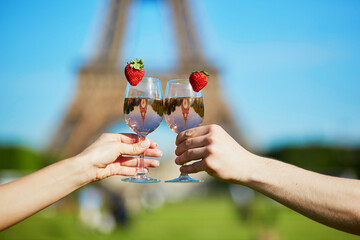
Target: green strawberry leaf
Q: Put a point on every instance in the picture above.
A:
(202, 71)
(136, 63)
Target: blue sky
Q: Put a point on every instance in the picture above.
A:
(290, 70)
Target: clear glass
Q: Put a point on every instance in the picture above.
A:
(143, 113)
(183, 109)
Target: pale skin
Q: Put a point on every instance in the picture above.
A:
(104, 158)
(332, 201)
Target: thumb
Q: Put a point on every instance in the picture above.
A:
(135, 148)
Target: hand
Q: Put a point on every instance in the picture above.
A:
(105, 156)
(219, 154)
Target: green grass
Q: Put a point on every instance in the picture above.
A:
(201, 218)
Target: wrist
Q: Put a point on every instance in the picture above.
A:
(83, 172)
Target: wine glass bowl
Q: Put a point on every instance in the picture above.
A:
(143, 113)
(183, 109)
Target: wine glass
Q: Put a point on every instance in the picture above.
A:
(184, 109)
(143, 113)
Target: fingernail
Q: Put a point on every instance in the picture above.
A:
(188, 133)
(176, 160)
(145, 143)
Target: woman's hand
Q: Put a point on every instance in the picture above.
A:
(219, 154)
(105, 157)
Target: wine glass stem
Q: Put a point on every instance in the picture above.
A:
(141, 164)
(184, 174)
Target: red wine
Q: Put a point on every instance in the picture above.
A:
(184, 112)
(143, 115)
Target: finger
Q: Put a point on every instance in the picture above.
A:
(191, 143)
(150, 153)
(192, 154)
(153, 153)
(135, 148)
(133, 138)
(153, 144)
(115, 168)
(190, 133)
(134, 162)
(127, 171)
(128, 138)
(194, 168)
(110, 137)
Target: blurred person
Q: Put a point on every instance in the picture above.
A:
(27, 195)
(329, 200)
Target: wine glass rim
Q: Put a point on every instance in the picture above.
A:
(149, 79)
(179, 81)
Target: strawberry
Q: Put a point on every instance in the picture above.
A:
(198, 80)
(134, 71)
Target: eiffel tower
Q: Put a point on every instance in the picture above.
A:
(101, 83)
